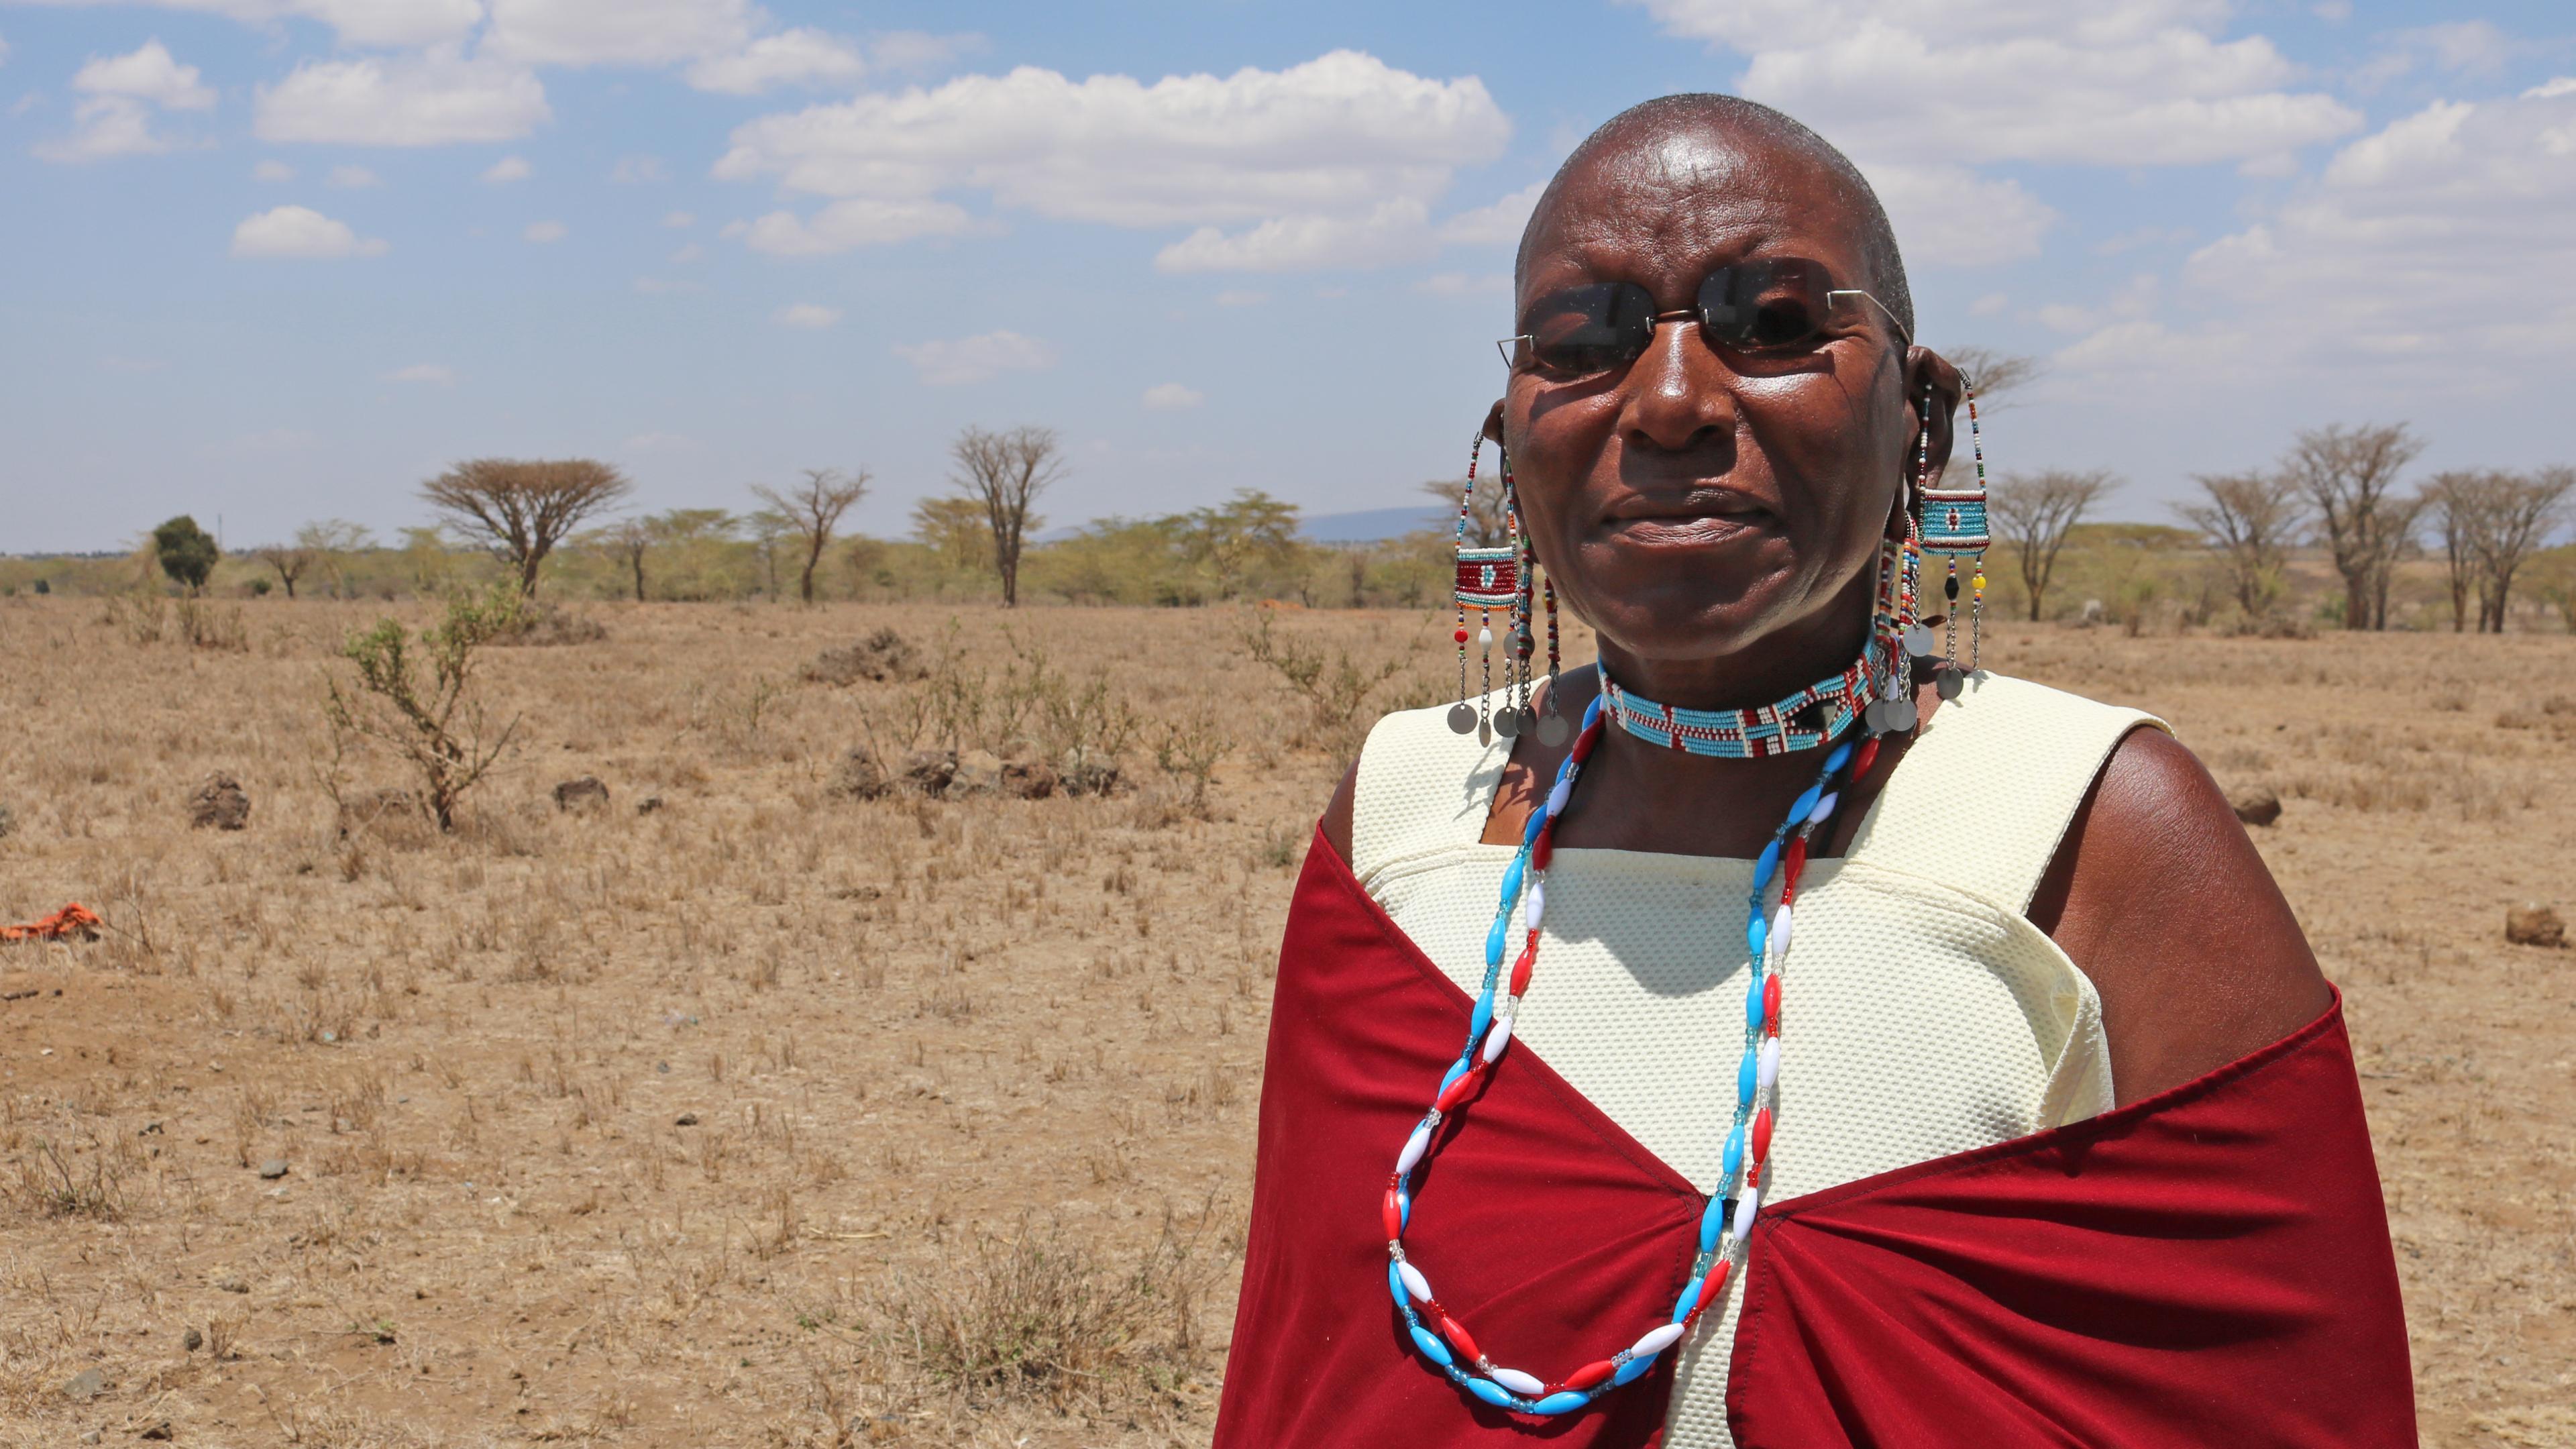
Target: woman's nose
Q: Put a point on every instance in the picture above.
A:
(1680, 393)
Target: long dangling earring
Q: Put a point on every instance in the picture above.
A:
(1954, 525)
(1486, 581)
(1553, 727)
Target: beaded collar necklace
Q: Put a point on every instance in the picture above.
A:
(1811, 717)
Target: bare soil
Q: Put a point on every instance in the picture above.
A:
(776, 1117)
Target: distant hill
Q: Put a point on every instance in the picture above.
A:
(1369, 525)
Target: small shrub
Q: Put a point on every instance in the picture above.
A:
(881, 657)
(429, 716)
(1334, 688)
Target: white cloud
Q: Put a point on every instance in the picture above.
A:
(803, 57)
(1989, 305)
(148, 73)
(507, 169)
(433, 99)
(1332, 162)
(846, 224)
(1463, 284)
(1500, 224)
(1393, 231)
(679, 219)
(545, 231)
(272, 171)
(2418, 257)
(1241, 298)
(4, 50)
(637, 170)
(811, 316)
(976, 359)
(618, 32)
(300, 232)
(118, 94)
(1951, 216)
(432, 373)
(2107, 82)
(690, 253)
(352, 176)
(1166, 396)
(357, 22)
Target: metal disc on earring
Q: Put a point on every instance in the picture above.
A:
(1507, 722)
(1918, 641)
(1553, 730)
(1462, 718)
(1484, 732)
(1874, 718)
(1948, 681)
(1900, 715)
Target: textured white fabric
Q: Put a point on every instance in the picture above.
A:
(1925, 1015)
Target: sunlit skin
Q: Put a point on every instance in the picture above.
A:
(1716, 517)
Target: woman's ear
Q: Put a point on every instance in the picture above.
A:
(1494, 422)
(1924, 366)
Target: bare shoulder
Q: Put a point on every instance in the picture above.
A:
(2158, 894)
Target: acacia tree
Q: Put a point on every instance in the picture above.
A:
(2252, 518)
(289, 560)
(2349, 477)
(1486, 527)
(1004, 472)
(330, 541)
(2489, 521)
(1998, 376)
(520, 509)
(2036, 511)
(814, 509)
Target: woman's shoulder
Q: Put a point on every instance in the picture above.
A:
(1410, 755)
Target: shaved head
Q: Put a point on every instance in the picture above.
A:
(1760, 135)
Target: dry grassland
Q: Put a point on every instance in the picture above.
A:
(774, 1117)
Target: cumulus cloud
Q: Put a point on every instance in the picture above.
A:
(920, 50)
(811, 316)
(638, 170)
(1168, 396)
(1464, 284)
(1332, 162)
(856, 222)
(299, 232)
(356, 22)
(801, 57)
(1951, 216)
(976, 359)
(352, 176)
(118, 96)
(508, 168)
(2106, 82)
(618, 32)
(679, 219)
(1500, 224)
(2418, 254)
(272, 171)
(543, 232)
(432, 99)
(430, 373)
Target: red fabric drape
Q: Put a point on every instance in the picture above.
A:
(2209, 1266)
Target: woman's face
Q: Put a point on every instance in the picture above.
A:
(1702, 504)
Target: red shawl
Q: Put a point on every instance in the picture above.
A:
(2208, 1266)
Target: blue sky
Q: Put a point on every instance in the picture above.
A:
(277, 260)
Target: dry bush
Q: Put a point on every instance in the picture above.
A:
(1335, 686)
(1034, 1319)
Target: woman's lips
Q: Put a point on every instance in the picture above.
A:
(1687, 530)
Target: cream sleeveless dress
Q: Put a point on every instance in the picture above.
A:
(1925, 1015)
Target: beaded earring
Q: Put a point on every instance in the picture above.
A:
(1488, 579)
(1954, 525)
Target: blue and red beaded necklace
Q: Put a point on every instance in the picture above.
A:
(1817, 717)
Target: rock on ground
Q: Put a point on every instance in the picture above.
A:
(220, 803)
(586, 793)
(2534, 924)
(2256, 804)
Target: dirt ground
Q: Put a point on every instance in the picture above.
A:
(772, 1116)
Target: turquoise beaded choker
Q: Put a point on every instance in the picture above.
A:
(1814, 716)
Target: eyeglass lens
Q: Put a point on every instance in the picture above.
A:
(1752, 306)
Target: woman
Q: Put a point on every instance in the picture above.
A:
(2068, 1145)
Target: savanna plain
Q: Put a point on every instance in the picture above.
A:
(772, 1101)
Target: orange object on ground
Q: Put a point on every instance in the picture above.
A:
(72, 918)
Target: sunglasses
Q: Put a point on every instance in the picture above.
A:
(1778, 305)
